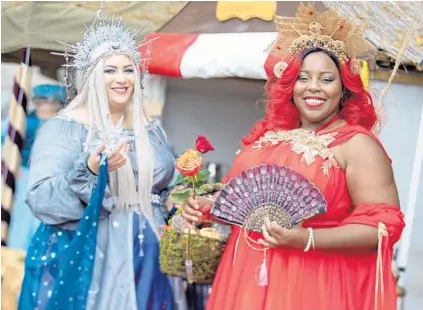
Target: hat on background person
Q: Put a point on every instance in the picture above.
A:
(50, 92)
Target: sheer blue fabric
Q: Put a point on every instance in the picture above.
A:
(59, 263)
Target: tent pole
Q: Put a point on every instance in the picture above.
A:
(404, 247)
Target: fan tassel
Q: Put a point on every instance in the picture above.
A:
(263, 278)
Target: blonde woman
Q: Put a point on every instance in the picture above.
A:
(119, 268)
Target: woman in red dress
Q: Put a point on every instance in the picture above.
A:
(318, 121)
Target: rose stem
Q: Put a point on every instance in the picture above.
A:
(193, 185)
(194, 194)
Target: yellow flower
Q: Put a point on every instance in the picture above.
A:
(189, 163)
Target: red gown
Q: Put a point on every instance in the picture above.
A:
(317, 279)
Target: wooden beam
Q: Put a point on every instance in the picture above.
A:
(400, 77)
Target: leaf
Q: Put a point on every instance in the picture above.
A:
(181, 196)
(202, 176)
(180, 178)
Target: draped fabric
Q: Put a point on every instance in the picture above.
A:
(317, 279)
(158, 294)
(117, 269)
(59, 264)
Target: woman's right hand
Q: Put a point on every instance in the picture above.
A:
(197, 210)
(116, 159)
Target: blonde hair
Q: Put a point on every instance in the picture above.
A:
(92, 94)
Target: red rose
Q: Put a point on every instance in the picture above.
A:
(203, 145)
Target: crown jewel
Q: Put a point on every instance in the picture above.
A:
(326, 30)
(102, 38)
(315, 38)
(113, 37)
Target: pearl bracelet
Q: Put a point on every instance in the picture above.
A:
(310, 241)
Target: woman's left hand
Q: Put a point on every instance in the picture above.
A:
(275, 236)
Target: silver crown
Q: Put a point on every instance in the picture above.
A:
(112, 37)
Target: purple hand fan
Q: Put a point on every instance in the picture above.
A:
(268, 191)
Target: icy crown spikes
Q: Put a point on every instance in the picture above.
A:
(113, 36)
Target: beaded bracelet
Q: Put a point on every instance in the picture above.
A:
(310, 241)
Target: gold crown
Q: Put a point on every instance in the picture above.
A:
(326, 30)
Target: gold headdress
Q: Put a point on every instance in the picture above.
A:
(326, 30)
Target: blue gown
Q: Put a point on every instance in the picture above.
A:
(80, 259)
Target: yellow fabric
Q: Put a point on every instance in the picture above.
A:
(245, 10)
(38, 24)
(365, 74)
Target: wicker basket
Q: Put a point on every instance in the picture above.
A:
(177, 248)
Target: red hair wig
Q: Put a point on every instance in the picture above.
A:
(282, 114)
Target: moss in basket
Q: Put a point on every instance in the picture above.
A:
(204, 252)
(171, 260)
(209, 189)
